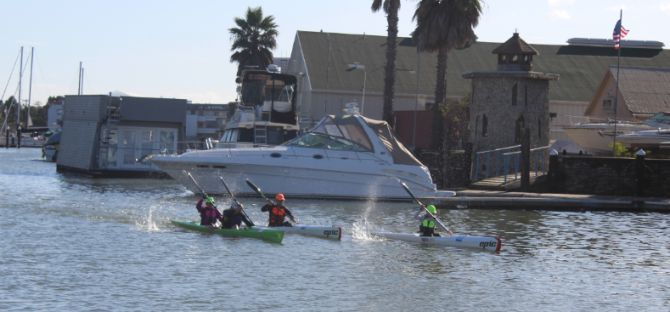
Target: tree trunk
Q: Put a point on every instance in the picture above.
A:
(391, 50)
(440, 97)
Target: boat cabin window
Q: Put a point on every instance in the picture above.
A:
(325, 141)
(348, 129)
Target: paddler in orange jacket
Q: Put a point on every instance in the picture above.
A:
(278, 212)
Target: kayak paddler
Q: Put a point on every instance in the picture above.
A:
(427, 225)
(233, 217)
(208, 214)
(278, 212)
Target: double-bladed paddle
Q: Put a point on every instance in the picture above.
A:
(424, 207)
(259, 192)
(202, 191)
(235, 199)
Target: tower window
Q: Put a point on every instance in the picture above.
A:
(518, 129)
(525, 95)
(485, 126)
(515, 91)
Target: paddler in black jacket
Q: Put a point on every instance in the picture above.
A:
(277, 212)
(233, 217)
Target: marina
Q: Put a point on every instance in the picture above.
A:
(245, 156)
(74, 242)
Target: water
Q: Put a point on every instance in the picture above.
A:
(71, 243)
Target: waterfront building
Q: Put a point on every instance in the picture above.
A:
(641, 92)
(205, 122)
(109, 135)
(55, 113)
(507, 101)
(322, 60)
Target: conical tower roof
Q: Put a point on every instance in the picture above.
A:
(515, 45)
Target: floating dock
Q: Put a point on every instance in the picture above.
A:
(476, 199)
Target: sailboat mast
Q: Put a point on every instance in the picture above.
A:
(30, 88)
(81, 79)
(18, 106)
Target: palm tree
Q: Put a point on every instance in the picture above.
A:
(253, 40)
(391, 8)
(443, 25)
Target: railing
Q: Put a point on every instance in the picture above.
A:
(506, 161)
(539, 161)
(490, 163)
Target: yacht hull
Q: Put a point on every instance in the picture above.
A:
(597, 139)
(301, 177)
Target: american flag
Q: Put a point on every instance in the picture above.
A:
(619, 33)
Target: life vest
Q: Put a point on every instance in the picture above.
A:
(277, 214)
(208, 216)
(428, 223)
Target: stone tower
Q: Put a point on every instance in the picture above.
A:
(509, 99)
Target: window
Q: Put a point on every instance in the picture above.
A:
(485, 126)
(514, 93)
(607, 105)
(539, 128)
(525, 95)
(518, 129)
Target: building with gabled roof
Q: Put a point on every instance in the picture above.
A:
(321, 60)
(642, 92)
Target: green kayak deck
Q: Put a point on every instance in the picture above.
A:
(272, 236)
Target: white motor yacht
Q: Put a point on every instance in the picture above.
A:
(345, 157)
(597, 137)
(266, 113)
(647, 139)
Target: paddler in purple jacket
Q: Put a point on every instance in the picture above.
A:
(208, 214)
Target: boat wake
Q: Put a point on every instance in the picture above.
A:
(361, 231)
(148, 223)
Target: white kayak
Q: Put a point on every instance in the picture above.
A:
(329, 232)
(465, 241)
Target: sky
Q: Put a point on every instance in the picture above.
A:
(181, 48)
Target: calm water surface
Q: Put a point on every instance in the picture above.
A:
(70, 243)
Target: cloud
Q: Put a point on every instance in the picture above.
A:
(555, 3)
(560, 14)
(557, 9)
(664, 7)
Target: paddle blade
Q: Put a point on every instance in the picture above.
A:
(227, 188)
(202, 191)
(254, 187)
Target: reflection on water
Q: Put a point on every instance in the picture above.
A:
(72, 243)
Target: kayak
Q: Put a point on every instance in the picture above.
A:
(268, 235)
(329, 232)
(463, 241)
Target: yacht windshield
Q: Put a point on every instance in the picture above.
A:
(325, 141)
(345, 128)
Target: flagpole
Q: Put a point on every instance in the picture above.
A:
(616, 93)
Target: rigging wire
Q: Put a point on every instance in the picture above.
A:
(10, 77)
